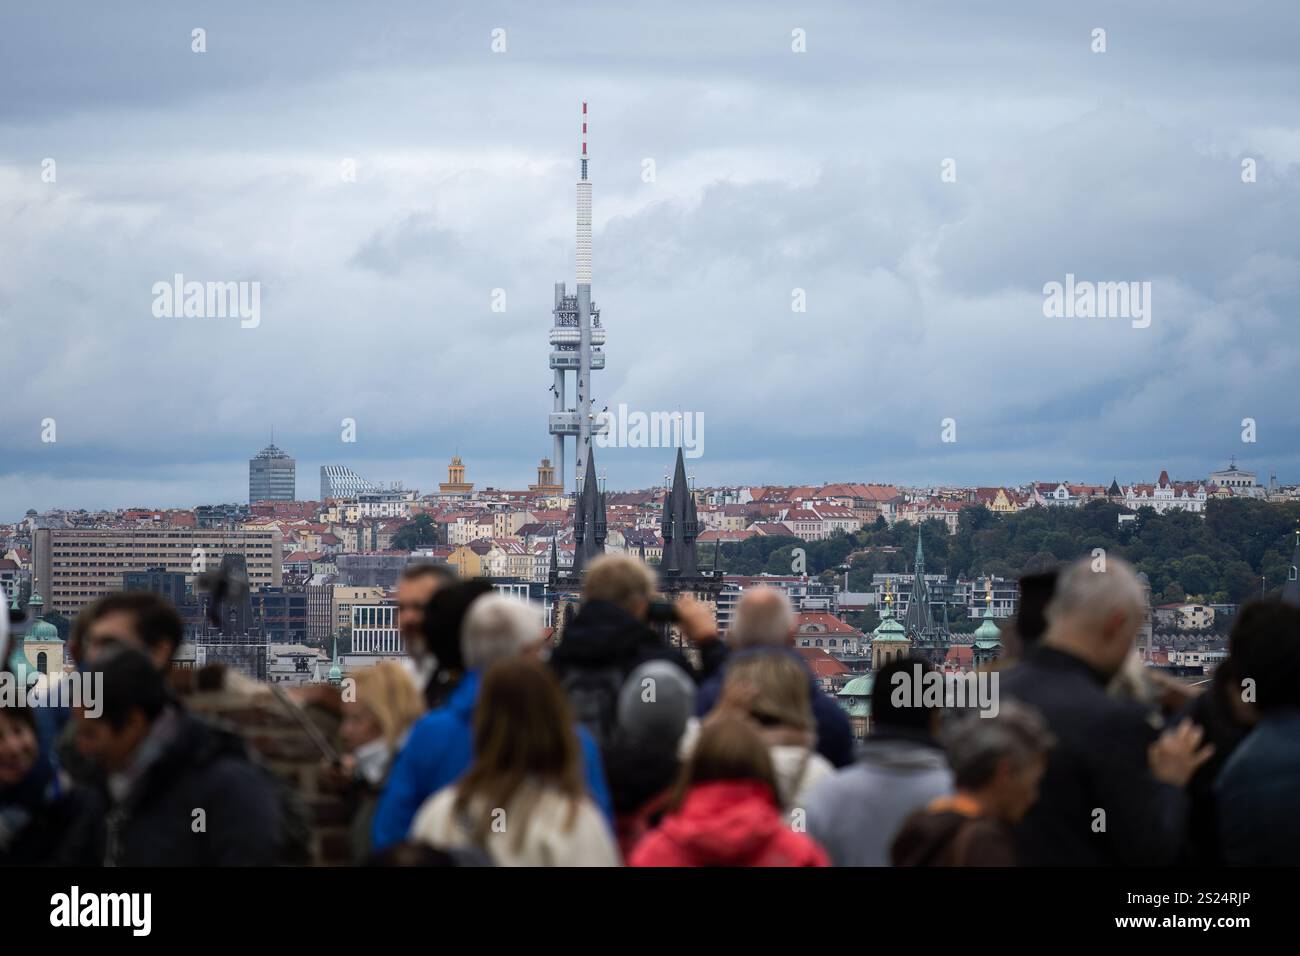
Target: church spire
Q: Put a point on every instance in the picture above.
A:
(1291, 590)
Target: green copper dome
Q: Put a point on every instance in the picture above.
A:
(43, 632)
(859, 686)
(988, 634)
(855, 698)
(890, 629)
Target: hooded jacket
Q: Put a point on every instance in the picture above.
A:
(856, 813)
(727, 823)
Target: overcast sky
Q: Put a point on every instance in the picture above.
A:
(774, 170)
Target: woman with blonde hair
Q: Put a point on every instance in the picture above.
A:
(772, 690)
(378, 711)
(524, 799)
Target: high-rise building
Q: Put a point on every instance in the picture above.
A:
(576, 342)
(340, 481)
(272, 476)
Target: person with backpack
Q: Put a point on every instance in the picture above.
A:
(171, 790)
(441, 744)
(610, 636)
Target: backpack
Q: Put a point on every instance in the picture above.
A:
(593, 694)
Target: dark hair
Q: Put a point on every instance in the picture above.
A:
(443, 617)
(1265, 646)
(884, 712)
(1036, 591)
(131, 682)
(156, 621)
(22, 715)
(443, 573)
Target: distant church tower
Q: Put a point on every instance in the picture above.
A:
(455, 483)
(546, 483)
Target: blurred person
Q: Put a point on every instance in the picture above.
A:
(1258, 790)
(642, 761)
(997, 763)
(901, 767)
(523, 800)
(1226, 719)
(774, 688)
(415, 589)
(766, 622)
(37, 813)
(141, 620)
(137, 619)
(610, 636)
(726, 810)
(1027, 627)
(375, 725)
(172, 790)
(440, 637)
(440, 746)
(1113, 790)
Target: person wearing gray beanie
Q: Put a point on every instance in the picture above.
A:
(655, 706)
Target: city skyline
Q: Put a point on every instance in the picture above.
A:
(772, 172)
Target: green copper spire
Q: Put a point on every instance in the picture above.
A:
(336, 672)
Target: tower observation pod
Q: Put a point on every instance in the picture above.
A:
(577, 341)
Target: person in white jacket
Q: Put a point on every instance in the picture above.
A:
(524, 799)
(775, 688)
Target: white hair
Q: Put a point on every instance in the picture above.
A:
(498, 627)
(1089, 595)
(764, 618)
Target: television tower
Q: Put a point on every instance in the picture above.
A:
(576, 341)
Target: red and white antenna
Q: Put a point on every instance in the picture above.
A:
(584, 212)
(584, 139)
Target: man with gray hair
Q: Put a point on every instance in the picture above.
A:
(766, 623)
(497, 628)
(1112, 793)
(441, 747)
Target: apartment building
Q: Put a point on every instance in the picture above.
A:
(73, 567)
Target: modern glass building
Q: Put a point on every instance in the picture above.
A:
(272, 476)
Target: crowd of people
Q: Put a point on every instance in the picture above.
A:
(616, 746)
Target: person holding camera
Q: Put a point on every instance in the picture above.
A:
(611, 635)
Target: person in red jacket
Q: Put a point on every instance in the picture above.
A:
(726, 812)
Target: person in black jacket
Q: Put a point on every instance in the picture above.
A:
(1113, 790)
(172, 790)
(609, 637)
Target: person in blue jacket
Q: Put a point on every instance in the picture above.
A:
(440, 747)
